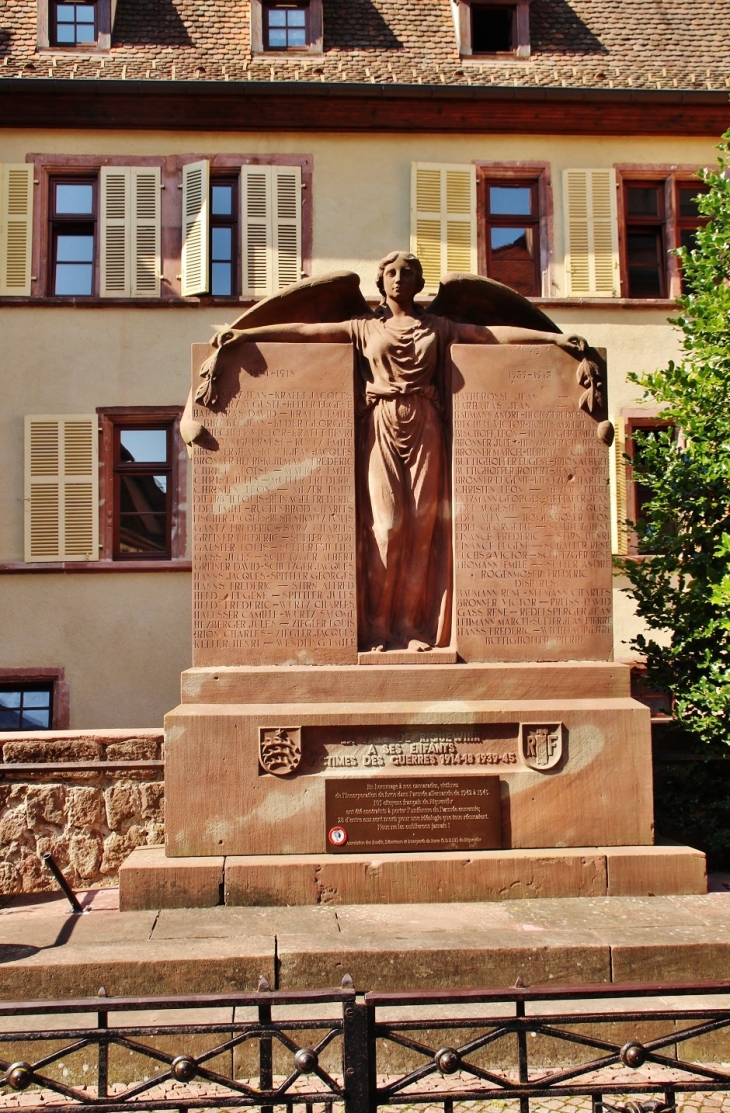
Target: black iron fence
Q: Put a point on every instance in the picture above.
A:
(334, 1047)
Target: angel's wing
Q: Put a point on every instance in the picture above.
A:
(472, 300)
(323, 300)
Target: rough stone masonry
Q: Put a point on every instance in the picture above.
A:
(89, 821)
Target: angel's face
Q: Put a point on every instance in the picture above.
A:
(400, 280)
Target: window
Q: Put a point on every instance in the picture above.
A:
(73, 236)
(242, 230)
(659, 214)
(26, 706)
(74, 23)
(286, 26)
(492, 27)
(224, 237)
(638, 494)
(688, 216)
(645, 243)
(34, 699)
(632, 496)
(143, 474)
(142, 491)
(512, 233)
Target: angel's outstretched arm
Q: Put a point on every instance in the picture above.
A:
(207, 392)
(504, 334)
(337, 333)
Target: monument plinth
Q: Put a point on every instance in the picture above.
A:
(402, 652)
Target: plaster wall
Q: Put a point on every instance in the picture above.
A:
(122, 638)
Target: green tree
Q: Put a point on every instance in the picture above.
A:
(684, 588)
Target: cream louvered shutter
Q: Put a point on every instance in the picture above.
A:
(114, 232)
(146, 262)
(591, 233)
(620, 530)
(16, 228)
(256, 246)
(443, 220)
(196, 228)
(130, 232)
(271, 228)
(286, 183)
(61, 488)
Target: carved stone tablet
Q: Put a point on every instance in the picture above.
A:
(532, 551)
(274, 509)
(390, 814)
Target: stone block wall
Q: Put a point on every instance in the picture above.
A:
(89, 821)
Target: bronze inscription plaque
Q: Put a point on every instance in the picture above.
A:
(532, 549)
(396, 814)
(274, 509)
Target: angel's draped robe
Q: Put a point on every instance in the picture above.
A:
(405, 519)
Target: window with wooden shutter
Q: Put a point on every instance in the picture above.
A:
(620, 530)
(145, 231)
(16, 223)
(591, 233)
(61, 488)
(196, 228)
(287, 224)
(443, 220)
(130, 232)
(114, 223)
(271, 228)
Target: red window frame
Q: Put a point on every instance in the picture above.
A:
(112, 421)
(58, 222)
(509, 220)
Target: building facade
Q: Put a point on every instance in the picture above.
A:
(166, 163)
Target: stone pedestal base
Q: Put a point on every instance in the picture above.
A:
(588, 782)
(149, 880)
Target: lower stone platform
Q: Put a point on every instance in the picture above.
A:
(47, 953)
(150, 880)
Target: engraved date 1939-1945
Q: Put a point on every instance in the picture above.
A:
(403, 753)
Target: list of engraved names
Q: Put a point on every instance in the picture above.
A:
(532, 533)
(275, 523)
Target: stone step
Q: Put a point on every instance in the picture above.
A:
(148, 879)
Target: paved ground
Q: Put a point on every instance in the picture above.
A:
(47, 953)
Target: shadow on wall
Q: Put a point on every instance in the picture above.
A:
(6, 39)
(154, 23)
(556, 28)
(357, 25)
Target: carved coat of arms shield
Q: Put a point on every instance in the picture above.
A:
(541, 745)
(280, 749)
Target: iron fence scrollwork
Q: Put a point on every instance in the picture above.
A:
(361, 1052)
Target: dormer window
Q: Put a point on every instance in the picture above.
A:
(492, 28)
(73, 24)
(286, 27)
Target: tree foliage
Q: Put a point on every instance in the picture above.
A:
(685, 587)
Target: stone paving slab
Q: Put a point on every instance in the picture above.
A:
(46, 952)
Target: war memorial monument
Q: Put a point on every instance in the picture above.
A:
(403, 686)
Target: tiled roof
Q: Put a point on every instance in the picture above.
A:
(600, 44)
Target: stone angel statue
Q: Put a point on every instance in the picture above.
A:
(403, 357)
